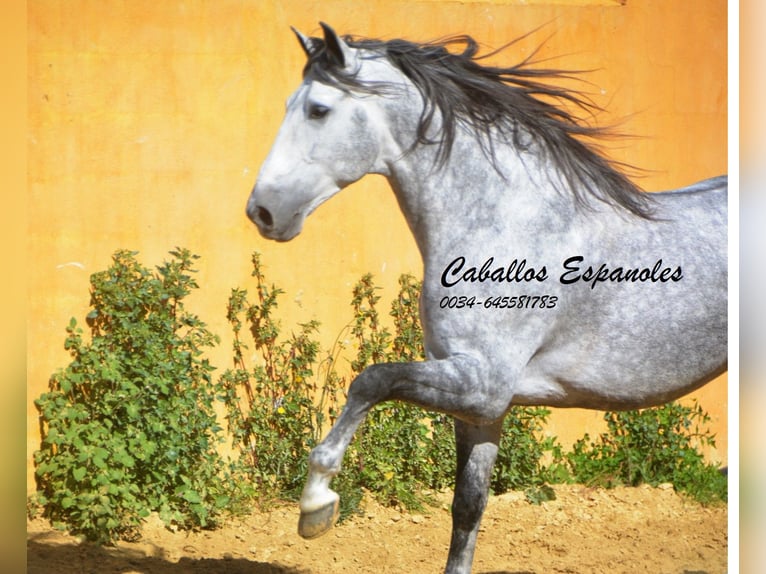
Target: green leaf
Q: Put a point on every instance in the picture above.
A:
(192, 497)
(132, 410)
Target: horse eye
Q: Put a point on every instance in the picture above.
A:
(317, 112)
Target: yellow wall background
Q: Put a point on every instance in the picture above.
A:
(148, 122)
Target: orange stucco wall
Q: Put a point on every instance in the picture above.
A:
(148, 122)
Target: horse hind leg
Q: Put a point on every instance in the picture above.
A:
(477, 448)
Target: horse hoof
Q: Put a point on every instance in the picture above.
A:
(319, 521)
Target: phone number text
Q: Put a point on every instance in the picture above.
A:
(499, 302)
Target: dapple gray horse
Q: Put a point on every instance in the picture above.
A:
(549, 277)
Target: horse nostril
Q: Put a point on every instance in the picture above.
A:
(264, 216)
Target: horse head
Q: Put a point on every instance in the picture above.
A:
(332, 134)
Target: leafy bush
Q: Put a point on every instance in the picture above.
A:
(279, 408)
(128, 426)
(519, 463)
(276, 412)
(651, 446)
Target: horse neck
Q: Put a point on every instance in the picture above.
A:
(516, 197)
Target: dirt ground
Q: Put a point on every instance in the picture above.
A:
(583, 531)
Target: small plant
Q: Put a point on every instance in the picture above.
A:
(651, 446)
(128, 426)
(519, 458)
(275, 409)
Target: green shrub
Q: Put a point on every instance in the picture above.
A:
(651, 446)
(519, 463)
(128, 426)
(276, 410)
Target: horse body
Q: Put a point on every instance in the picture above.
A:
(543, 284)
(602, 346)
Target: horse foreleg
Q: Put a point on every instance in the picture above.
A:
(319, 504)
(456, 386)
(476, 453)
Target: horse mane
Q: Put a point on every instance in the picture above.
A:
(489, 98)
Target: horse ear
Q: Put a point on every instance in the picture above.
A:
(309, 45)
(337, 49)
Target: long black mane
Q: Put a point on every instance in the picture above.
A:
(490, 98)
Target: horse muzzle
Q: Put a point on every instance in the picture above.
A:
(271, 223)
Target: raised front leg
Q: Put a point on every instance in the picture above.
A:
(476, 453)
(458, 386)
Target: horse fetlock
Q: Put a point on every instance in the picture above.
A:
(316, 494)
(324, 461)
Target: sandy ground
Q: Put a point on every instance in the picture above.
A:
(583, 531)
